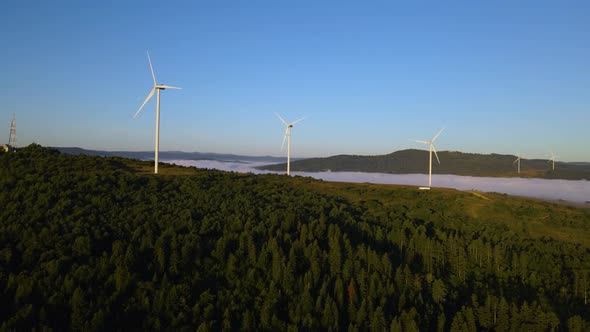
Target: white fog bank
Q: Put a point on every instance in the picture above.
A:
(573, 191)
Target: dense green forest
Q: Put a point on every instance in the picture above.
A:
(94, 243)
(452, 162)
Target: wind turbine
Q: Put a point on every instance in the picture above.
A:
(517, 160)
(553, 158)
(157, 87)
(431, 148)
(288, 138)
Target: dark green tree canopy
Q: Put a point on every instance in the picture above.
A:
(93, 243)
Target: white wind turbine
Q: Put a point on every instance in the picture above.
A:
(553, 158)
(288, 138)
(431, 148)
(157, 87)
(517, 160)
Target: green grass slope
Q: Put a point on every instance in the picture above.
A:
(91, 243)
(458, 163)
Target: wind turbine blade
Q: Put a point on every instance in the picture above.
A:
(145, 102)
(296, 121)
(151, 68)
(423, 142)
(435, 137)
(433, 149)
(282, 120)
(517, 159)
(169, 87)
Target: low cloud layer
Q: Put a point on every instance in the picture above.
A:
(573, 191)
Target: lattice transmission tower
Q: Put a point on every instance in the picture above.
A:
(12, 138)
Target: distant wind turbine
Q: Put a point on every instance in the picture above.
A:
(553, 158)
(288, 138)
(157, 87)
(517, 160)
(431, 148)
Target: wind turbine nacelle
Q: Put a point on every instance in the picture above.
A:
(164, 87)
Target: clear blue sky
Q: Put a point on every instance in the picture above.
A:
(501, 76)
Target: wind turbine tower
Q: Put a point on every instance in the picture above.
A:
(12, 137)
(517, 161)
(431, 149)
(553, 158)
(288, 138)
(157, 87)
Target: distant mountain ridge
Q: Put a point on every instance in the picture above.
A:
(414, 161)
(170, 155)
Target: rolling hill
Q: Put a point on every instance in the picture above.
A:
(101, 244)
(416, 162)
(169, 155)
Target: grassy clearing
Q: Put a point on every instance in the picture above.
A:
(526, 217)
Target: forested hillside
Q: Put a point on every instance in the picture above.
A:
(93, 243)
(458, 163)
